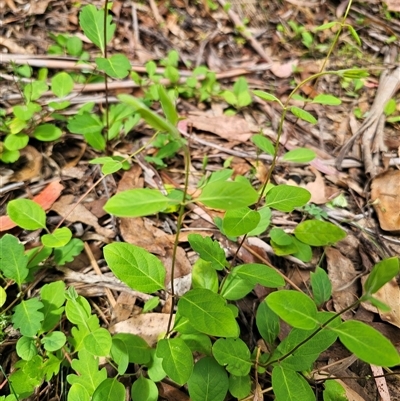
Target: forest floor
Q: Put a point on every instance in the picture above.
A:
(277, 48)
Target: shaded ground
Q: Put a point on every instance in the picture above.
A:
(281, 52)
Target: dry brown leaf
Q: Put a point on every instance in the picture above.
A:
(341, 273)
(390, 295)
(385, 196)
(149, 326)
(131, 179)
(393, 5)
(67, 208)
(284, 70)
(231, 128)
(171, 393)
(317, 188)
(123, 308)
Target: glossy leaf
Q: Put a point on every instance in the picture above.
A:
(318, 233)
(367, 343)
(78, 392)
(234, 354)
(209, 381)
(286, 198)
(208, 313)
(47, 132)
(59, 238)
(289, 385)
(27, 214)
(334, 391)
(240, 221)
(177, 359)
(138, 202)
(135, 266)
(228, 195)
(295, 308)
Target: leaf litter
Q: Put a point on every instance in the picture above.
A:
(159, 32)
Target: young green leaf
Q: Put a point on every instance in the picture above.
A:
(381, 274)
(208, 313)
(78, 311)
(209, 381)
(91, 21)
(26, 348)
(150, 304)
(62, 84)
(286, 198)
(367, 343)
(13, 261)
(53, 297)
(267, 96)
(27, 318)
(78, 392)
(256, 273)
(138, 202)
(267, 323)
(228, 195)
(98, 342)
(295, 308)
(303, 115)
(234, 354)
(299, 155)
(204, 276)
(289, 385)
(115, 66)
(167, 105)
(16, 141)
(321, 286)
(240, 221)
(329, 100)
(208, 250)
(136, 267)
(334, 391)
(177, 359)
(144, 390)
(354, 34)
(68, 252)
(59, 238)
(47, 132)
(54, 341)
(109, 390)
(27, 214)
(263, 143)
(318, 233)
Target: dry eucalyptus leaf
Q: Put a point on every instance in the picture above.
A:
(393, 5)
(385, 197)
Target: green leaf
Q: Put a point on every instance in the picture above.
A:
(209, 381)
(25, 112)
(151, 118)
(9, 156)
(13, 261)
(334, 391)
(265, 220)
(138, 202)
(354, 34)
(353, 73)
(234, 354)
(119, 354)
(256, 273)
(62, 84)
(329, 100)
(87, 369)
(303, 115)
(34, 90)
(204, 276)
(228, 195)
(68, 252)
(381, 274)
(3, 296)
(144, 390)
(240, 221)
(53, 341)
(295, 308)
(289, 385)
(150, 304)
(240, 386)
(267, 323)
(299, 155)
(321, 286)
(98, 342)
(16, 141)
(91, 21)
(376, 302)
(279, 236)
(78, 392)
(198, 342)
(136, 267)
(47, 132)
(318, 233)
(59, 238)
(27, 214)
(90, 126)
(208, 313)
(27, 318)
(53, 297)
(74, 46)
(78, 311)
(263, 143)
(177, 359)
(167, 105)
(286, 198)
(154, 367)
(26, 348)
(138, 349)
(267, 96)
(328, 25)
(208, 250)
(109, 390)
(367, 344)
(390, 107)
(115, 66)
(304, 251)
(235, 287)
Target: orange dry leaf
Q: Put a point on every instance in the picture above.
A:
(45, 199)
